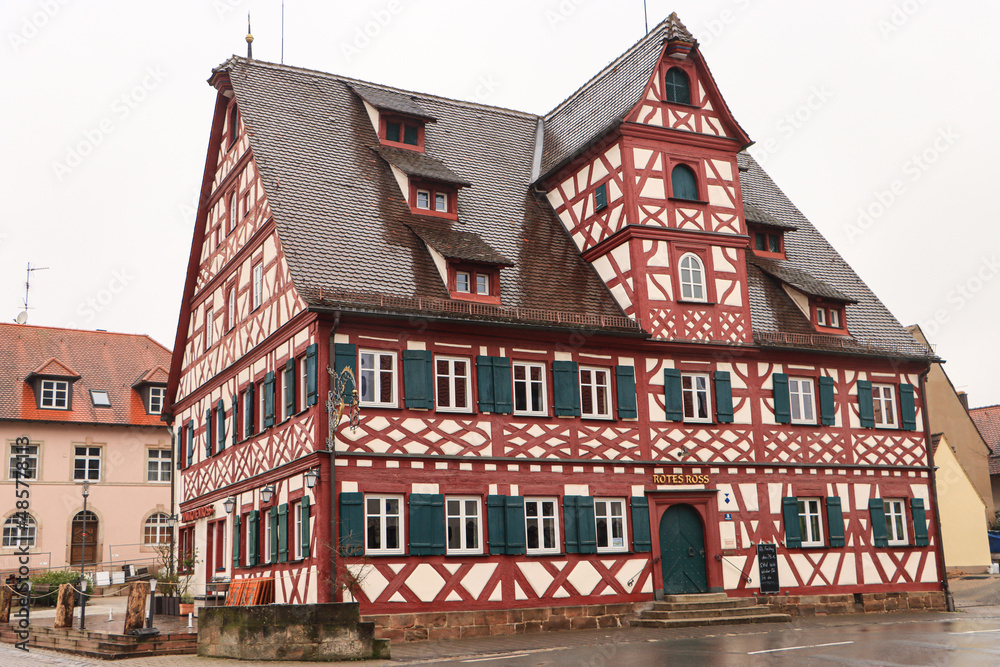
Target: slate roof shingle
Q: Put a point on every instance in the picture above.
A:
(987, 420)
(381, 98)
(458, 245)
(417, 164)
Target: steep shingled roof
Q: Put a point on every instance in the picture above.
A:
(104, 361)
(987, 420)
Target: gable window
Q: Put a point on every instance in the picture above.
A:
(246, 204)
(233, 213)
(233, 124)
(100, 398)
(601, 197)
(19, 531)
(609, 515)
(402, 131)
(802, 400)
(677, 86)
(156, 396)
(683, 183)
(529, 388)
(895, 522)
(258, 285)
(55, 394)
(695, 394)
(383, 525)
(595, 393)
(23, 462)
(693, 286)
(208, 329)
(452, 384)
(465, 530)
(378, 379)
(810, 523)
(230, 309)
(158, 465)
(884, 404)
(87, 464)
(541, 526)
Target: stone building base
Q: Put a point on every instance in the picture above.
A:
(857, 603)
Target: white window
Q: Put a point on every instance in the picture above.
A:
(265, 549)
(895, 522)
(482, 283)
(258, 286)
(884, 403)
(383, 525)
(23, 462)
(692, 278)
(55, 394)
(232, 212)
(156, 396)
(821, 317)
(802, 400)
(452, 384)
(595, 393)
(158, 465)
(378, 378)
(19, 531)
(834, 318)
(303, 383)
(248, 540)
(541, 526)
(463, 281)
(156, 532)
(441, 202)
(424, 199)
(287, 389)
(231, 309)
(465, 532)
(810, 523)
(610, 517)
(87, 464)
(696, 398)
(208, 329)
(295, 541)
(529, 389)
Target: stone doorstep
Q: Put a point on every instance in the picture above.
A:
(723, 620)
(755, 610)
(731, 603)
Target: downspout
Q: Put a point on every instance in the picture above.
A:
(331, 450)
(942, 572)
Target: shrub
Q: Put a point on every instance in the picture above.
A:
(53, 579)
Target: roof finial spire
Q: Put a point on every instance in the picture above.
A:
(249, 39)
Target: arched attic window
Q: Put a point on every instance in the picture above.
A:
(692, 278)
(677, 86)
(683, 182)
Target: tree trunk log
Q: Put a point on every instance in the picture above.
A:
(135, 613)
(6, 597)
(64, 606)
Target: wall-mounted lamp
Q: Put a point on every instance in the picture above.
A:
(171, 521)
(267, 493)
(230, 504)
(311, 476)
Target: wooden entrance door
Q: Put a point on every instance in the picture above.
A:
(682, 551)
(81, 540)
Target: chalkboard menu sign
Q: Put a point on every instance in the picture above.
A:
(767, 567)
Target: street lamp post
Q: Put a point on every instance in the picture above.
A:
(83, 560)
(152, 599)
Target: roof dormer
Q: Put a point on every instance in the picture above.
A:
(468, 265)
(767, 233)
(398, 119)
(822, 304)
(427, 184)
(52, 382)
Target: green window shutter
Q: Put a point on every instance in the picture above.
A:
(835, 521)
(268, 389)
(484, 384)
(880, 534)
(570, 525)
(418, 379)
(673, 399)
(209, 433)
(249, 404)
(236, 419)
(312, 368)
(503, 395)
(304, 536)
(601, 197)
(514, 518)
(625, 391)
(566, 388)
(272, 517)
(252, 538)
(495, 516)
(290, 387)
(579, 526)
(427, 534)
(220, 414)
(907, 407)
(827, 407)
(866, 409)
(283, 533)
(179, 448)
(793, 534)
(236, 541)
(723, 397)
(352, 524)
(190, 442)
(782, 408)
(919, 522)
(641, 540)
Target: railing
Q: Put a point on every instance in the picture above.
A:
(37, 562)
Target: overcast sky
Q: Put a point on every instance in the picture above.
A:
(878, 119)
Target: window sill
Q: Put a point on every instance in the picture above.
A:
(686, 105)
(604, 418)
(548, 554)
(466, 555)
(448, 411)
(536, 415)
(696, 302)
(380, 554)
(699, 202)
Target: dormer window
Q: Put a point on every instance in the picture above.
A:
(768, 242)
(402, 132)
(155, 400)
(54, 394)
(434, 199)
(828, 317)
(475, 283)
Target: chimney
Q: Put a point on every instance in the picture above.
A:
(964, 398)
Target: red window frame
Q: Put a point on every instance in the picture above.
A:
(756, 232)
(816, 304)
(434, 189)
(474, 270)
(668, 63)
(385, 118)
(700, 178)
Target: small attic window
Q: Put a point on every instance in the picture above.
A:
(474, 282)
(433, 199)
(100, 398)
(233, 123)
(768, 242)
(828, 317)
(677, 86)
(402, 132)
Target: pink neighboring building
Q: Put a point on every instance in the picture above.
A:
(89, 404)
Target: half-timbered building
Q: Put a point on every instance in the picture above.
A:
(599, 354)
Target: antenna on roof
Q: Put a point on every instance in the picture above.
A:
(282, 32)
(645, 15)
(22, 318)
(249, 39)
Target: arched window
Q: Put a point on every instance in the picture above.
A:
(692, 278)
(19, 531)
(156, 531)
(684, 184)
(677, 86)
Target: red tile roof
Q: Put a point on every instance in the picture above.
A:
(987, 420)
(111, 362)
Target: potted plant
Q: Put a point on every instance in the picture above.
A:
(186, 605)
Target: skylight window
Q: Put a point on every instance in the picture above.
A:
(100, 398)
